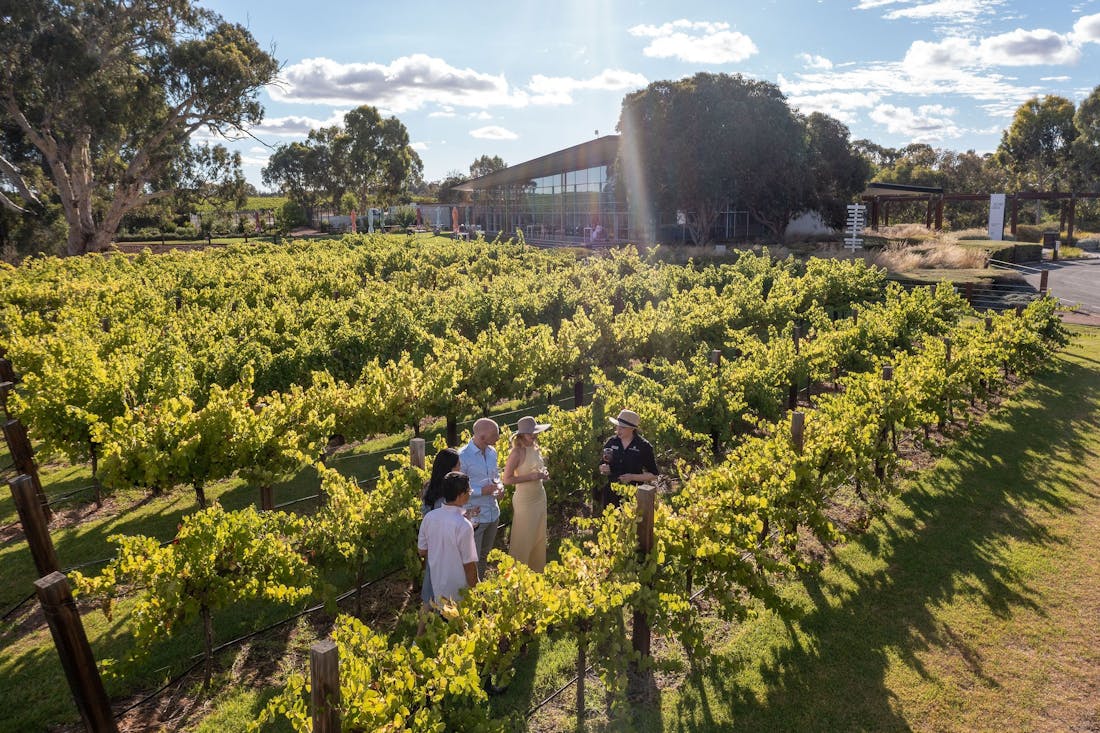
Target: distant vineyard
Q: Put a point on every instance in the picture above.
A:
(254, 203)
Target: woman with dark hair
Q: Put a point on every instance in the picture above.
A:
(444, 462)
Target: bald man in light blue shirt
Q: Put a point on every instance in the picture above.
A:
(479, 462)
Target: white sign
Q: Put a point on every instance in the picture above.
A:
(996, 216)
(857, 217)
(681, 217)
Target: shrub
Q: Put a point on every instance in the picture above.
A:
(1029, 233)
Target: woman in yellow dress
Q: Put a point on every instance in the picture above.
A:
(526, 471)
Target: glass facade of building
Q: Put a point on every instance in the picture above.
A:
(566, 205)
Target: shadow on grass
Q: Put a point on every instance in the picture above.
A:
(943, 537)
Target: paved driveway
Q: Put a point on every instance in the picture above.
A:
(1073, 282)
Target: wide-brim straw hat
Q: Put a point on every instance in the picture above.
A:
(626, 419)
(528, 426)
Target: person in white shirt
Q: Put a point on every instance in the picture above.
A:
(446, 540)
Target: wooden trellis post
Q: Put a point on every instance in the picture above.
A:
(76, 655)
(35, 525)
(22, 456)
(324, 671)
(647, 498)
(417, 452)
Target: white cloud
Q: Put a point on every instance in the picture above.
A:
(869, 4)
(411, 82)
(254, 158)
(407, 83)
(296, 125)
(959, 11)
(419, 147)
(838, 104)
(480, 115)
(1086, 30)
(929, 123)
(559, 89)
(903, 78)
(949, 53)
(1020, 47)
(695, 42)
(815, 62)
(1054, 78)
(1028, 48)
(493, 132)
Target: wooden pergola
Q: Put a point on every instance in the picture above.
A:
(879, 196)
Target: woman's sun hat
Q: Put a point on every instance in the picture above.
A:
(528, 426)
(626, 419)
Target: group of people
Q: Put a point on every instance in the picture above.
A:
(461, 500)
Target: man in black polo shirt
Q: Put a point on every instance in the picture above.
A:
(627, 457)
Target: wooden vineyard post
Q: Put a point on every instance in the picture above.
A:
(22, 456)
(988, 324)
(76, 655)
(792, 400)
(578, 393)
(267, 498)
(947, 371)
(7, 372)
(416, 452)
(715, 441)
(887, 427)
(452, 431)
(968, 290)
(324, 672)
(5, 392)
(798, 438)
(35, 526)
(1044, 278)
(582, 671)
(647, 497)
(798, 425)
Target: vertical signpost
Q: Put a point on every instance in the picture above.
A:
(857, 218)
(996, 216)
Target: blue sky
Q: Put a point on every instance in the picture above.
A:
(522, 79)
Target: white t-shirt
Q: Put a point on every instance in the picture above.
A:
(449, 539)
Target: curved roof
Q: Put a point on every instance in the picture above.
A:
(601, 151)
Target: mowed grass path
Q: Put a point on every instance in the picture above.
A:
(973, 605)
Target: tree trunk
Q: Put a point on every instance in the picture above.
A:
(207, 646)
(200, 494)
(452, 431)
(95, 477)
(359, 585)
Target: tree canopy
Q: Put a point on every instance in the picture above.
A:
(1086, 146)
(368, 157)
(485, 165)
(108, 94)
(710, 141)
(1036, 148)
